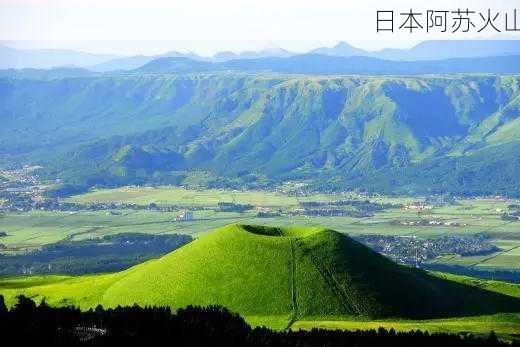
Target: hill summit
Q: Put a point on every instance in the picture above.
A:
(292, 272)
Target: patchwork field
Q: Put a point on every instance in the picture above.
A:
(180, 196)
(30, 230)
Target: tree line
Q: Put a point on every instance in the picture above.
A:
(28, 322)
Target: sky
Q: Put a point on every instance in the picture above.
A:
(203, 26)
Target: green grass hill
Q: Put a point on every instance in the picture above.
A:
(391, 134)
(295, 273)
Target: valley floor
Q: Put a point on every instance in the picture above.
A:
(156, 211)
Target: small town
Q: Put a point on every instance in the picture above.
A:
(414, 251)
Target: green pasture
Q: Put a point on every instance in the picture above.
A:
(505, 325)
(29, 230)
(278, 282)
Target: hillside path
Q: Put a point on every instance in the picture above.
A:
(294, 314)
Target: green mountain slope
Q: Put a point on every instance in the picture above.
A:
(292, 272)
(243, 129)
(491, 170)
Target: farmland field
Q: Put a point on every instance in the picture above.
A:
(502, 324)
(29, 230)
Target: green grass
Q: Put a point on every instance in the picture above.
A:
(84, 292)
(509, 259)
(30, 230)
(506, 325)
(274, 277)
(299, 277)
(181, 196)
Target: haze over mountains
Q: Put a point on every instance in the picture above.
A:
(314, 64)
(429, 50)
(11, 58)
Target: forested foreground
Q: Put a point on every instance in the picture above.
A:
(28, 322)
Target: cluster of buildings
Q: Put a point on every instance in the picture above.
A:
(515, 216)
(21, 177)
(20, 189)
(413, 251)
(418, 206)
(425, 222)
(184, 216)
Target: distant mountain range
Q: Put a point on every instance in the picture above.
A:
(332, 118)
(429, 50)
(266, 53)
(48, 58)
(306, 64)
(315, 64)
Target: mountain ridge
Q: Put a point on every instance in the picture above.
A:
(315, 64)
(429, 50)
(426, 50)
(331, 132)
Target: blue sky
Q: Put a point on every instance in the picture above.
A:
(204, 26)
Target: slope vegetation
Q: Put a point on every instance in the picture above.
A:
(289, 272)
(415, 134)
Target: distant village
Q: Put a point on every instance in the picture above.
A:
(415, 251)
(513, 213)
(21, 191)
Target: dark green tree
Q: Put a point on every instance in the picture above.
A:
(3, 307)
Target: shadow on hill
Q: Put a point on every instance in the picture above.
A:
(371, 285)
(262, 230)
